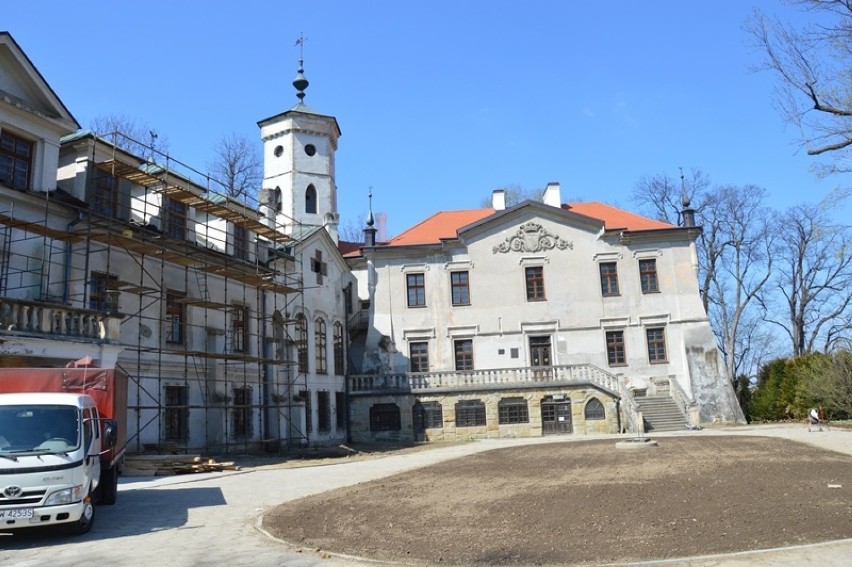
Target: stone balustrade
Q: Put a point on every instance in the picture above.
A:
(431, 382)
(33, 317)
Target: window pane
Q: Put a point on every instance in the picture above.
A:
(470, 413)
(615, 348)
(513, 410)
(461, 288)
(418, 354)
(609, 278)
(535, 283)
(416, 290)
(648, 275)
(656, 345)
(464, 354)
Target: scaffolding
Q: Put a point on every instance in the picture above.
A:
(201, 288)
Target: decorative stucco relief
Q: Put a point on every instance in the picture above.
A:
(532, 237)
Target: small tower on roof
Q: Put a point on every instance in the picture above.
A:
(370, 230)
(299, 191)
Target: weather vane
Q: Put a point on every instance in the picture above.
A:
(301, 44)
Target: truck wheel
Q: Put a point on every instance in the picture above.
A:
(108, 486)
(84, 524)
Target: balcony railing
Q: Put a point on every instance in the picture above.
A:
(33, 317)
(430, 382)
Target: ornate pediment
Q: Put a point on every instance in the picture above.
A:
(532, 237)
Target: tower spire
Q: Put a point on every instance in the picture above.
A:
(300, 82)
(370, 230)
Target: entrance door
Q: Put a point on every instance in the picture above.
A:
(540, 358)
(555, 416)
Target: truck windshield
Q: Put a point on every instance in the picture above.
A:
(38, 429)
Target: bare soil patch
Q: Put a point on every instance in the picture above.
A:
(585, 502)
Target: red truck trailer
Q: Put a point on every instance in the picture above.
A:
(62, 440)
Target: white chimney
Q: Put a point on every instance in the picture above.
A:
(498, 200)
(552, 195)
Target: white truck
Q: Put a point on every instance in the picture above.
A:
(59, 445)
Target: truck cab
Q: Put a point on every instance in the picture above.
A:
(50, 465)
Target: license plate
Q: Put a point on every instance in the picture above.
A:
(16, 513)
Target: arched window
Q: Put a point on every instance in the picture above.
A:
(302, 342)
(428, 415)
(595, 409)
(311, 200)
(278, 334)
(320, 346)
(338, 349)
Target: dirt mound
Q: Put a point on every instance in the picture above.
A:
(567, 503)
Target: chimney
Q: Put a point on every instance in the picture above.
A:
(498, 199)
(382, 227)
(552, 195)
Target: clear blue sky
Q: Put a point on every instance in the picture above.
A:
(440, 101)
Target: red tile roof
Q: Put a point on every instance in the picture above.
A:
(616, 219)
(445, 224)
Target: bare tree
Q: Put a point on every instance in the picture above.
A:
(352, 229)
(516, 194)
(737, 246)
(813, 64)
(661, 196)
(238, 168)
(131, 135)
(813, 278)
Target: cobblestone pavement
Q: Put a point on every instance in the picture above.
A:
(213, 518)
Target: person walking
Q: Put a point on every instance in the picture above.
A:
(814, 419)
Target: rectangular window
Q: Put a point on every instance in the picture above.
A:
(176, 413)
(241, 412)
(340, 410)
(648, 276)
(463, 349)
(615, 348)
(535, 283)
(418, 356)
(102, 295)
(323, 411)
(306, 396)
(105, 200)
(239, 320)
(656, 345)
(174, 219)
(460, 283)
(609, 278)
(470, 413)
(241, 243)
(416, 284)
(16, 161)
(175, 317)
(513, 410)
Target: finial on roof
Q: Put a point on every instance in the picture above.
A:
(370, 221)
(684, 198)
(300, 82)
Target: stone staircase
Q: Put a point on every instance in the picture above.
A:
(661, 413)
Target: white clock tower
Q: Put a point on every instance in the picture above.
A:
(299, 190)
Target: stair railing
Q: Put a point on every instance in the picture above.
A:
(687, 406)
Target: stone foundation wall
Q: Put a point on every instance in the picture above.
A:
(359, 407)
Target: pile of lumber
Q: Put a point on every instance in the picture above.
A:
(166, 465)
